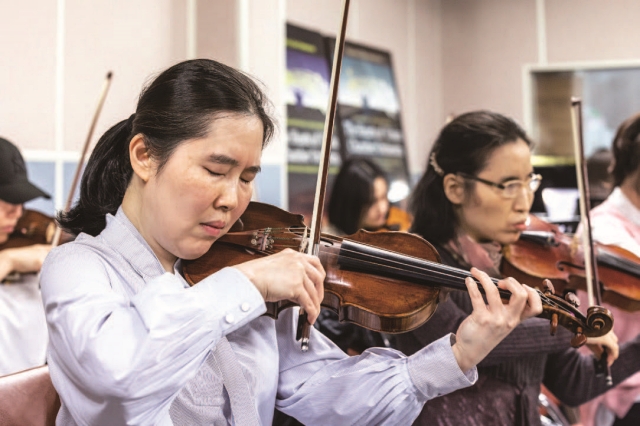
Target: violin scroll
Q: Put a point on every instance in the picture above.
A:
(564, 311)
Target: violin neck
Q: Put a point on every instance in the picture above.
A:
(365, 258)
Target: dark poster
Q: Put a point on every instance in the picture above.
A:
(307, 96)
(369, 113)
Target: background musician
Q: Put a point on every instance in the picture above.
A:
(475, 197)
(358, 201)
(358, 198)
(23, 330)
(131, 342)
(617, 222)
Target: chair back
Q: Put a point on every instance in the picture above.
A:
(28, 398)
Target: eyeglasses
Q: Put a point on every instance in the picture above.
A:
(512, 188)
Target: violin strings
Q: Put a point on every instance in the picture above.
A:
(442, 272)
(440, 276)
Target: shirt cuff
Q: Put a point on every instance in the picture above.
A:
(237, 299)
(435, 371)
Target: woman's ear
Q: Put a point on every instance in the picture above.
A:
(142, 164)
(453, 186)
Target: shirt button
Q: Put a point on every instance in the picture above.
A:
(229, 319)
(245, 307)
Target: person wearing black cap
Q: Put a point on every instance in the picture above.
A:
(23, 329)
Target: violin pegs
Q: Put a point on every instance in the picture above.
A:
(548, 287)
(572, 298)
(554, 324)
(579, 339)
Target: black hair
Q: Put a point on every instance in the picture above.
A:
(177, 106)
(626, 150)
(463, 146)
(352, 193)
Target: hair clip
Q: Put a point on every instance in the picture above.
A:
(435, 165)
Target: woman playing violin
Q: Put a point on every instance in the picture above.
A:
(617, 222)
(475, 197)
(131, 342)
(23, 330)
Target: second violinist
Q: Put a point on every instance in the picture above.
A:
(474, 197)
(23, 330)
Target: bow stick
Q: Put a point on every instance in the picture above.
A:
(304, 328)
(76, 177)
(591, 271)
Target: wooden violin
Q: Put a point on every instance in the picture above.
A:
(33, 227)
(397, 220)
(384, 281)
(543, 251)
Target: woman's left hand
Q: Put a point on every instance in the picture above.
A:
(489, 323)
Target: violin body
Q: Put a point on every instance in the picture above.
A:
(384, 281)
(388, 305)
(543, 251)
(34, 227)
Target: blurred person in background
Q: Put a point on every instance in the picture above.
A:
(23, 329)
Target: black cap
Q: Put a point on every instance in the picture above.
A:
(14, 186)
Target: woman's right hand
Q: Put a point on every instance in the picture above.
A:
(489, 323)
(288, 275)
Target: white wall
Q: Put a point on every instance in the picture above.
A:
(449, 56)
(56, 55)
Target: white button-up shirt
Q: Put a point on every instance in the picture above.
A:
(23, 329)
(131, 344)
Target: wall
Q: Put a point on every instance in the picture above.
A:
(449, 56)
(486, 45)
(59, 54)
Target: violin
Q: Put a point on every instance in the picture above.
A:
(543, 251)
(384, 281)
(397, 220)
(33, 227)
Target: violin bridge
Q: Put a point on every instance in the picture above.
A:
(305, 241)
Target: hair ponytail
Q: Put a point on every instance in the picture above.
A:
(104, 182)
(179, 105)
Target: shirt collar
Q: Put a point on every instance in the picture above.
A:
(624, 206)
(123, 237)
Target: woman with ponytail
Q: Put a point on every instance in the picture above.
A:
(132, 343)
(474, 198)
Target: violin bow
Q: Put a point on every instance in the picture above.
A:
(76, 177)
(591, 271)
(312, 248)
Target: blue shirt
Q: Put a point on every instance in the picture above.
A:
(132, 344)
